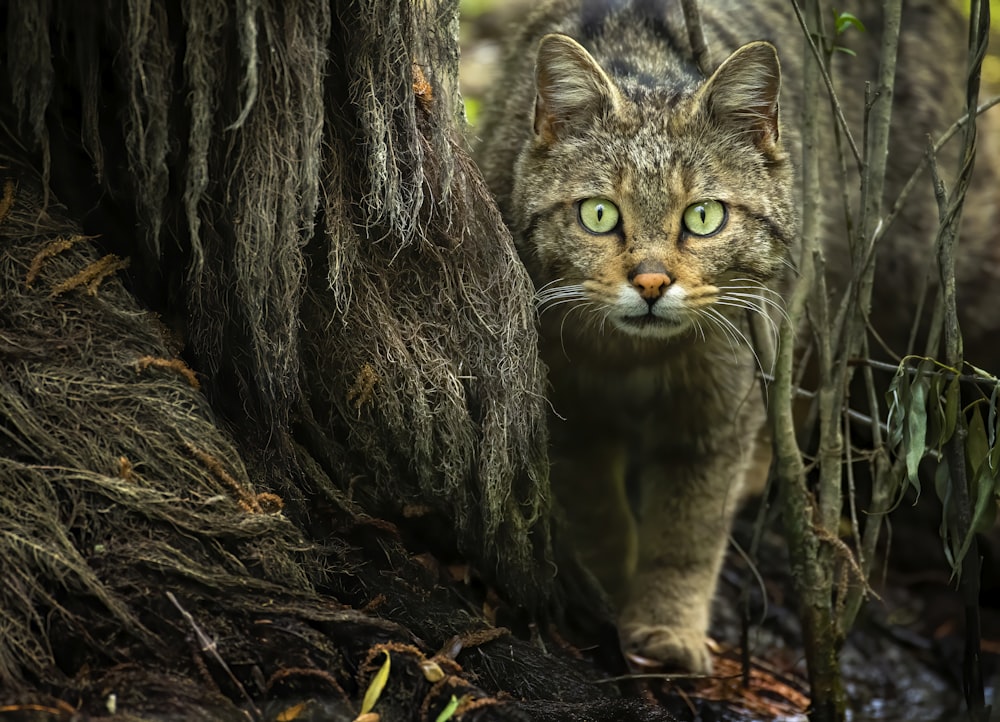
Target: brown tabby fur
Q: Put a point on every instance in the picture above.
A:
(602, 99)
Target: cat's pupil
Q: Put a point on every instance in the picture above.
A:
(600, 213)
(701, 212)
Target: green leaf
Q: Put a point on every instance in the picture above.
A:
(991, 418)
(984, 487)
(845, 51)
(983, 374)
(915, 430)
(845, 21)
(976, 445)
(993, 425)
(376, 686)
(449, 710)
(985, 515)
(895, 400)
(936, 420)
(952, 400)
(942, 479)
(942, 484)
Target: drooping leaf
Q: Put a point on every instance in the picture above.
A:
(942, 479)
(991, 419)
(984, 488)
(942, 485)
(976, 444)
(952, 408)
(983, 374)
(993, 426)
(936, 420)
(895, 402)
(376, 686)
(915, 429)
(985, 514)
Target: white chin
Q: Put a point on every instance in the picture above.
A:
(652, 327)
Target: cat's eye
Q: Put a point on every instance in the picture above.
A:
(704, 217)
(598, 215)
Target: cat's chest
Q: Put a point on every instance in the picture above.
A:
(680, 388)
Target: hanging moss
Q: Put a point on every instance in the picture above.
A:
(273, 349)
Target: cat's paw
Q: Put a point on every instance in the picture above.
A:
(658, 645)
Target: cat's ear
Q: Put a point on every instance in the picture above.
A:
(743, 92)
(572, 89)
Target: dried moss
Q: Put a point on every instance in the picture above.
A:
(322, 321)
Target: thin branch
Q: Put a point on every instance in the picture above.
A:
(945, 372)
(911, 183)
(829, 86)
(967, 567)
(810, 575)
(696, 36)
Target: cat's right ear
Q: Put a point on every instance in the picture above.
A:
(743, 92)
(572, 89)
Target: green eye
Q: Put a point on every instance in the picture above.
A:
(598, 215)
(705, 217)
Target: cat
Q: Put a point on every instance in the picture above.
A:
(655, 206)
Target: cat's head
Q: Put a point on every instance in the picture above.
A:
(654, 210)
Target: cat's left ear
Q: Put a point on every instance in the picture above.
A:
(743, 92)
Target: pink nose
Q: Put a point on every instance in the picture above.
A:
(651, 285)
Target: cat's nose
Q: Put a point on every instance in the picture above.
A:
(651, 285)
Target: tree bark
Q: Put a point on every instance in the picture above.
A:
(268, 365)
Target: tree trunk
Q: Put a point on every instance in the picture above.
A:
(256, 301)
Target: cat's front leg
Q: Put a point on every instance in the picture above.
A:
(588, 477)
(685, 517)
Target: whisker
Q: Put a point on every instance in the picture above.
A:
(753, 302)
(724, 327)
(548, 297)
(777, 302)
(756, 284)
(551, 283)
(746, 305)
(771, 302)
(604, 318)
(554, 304)
(559, 293)
(772, 326)
(789, 264)
(774, 301)
(700, 329)
(746, 341)
(551, 287)
(562, 326)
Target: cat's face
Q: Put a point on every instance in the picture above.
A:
(657, 213)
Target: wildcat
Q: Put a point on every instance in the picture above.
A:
(655, 205)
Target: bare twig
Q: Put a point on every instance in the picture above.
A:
(911, 182)
(841, 120)
(811, 577)
(968, 567)
(988, 381)
(696, 36)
